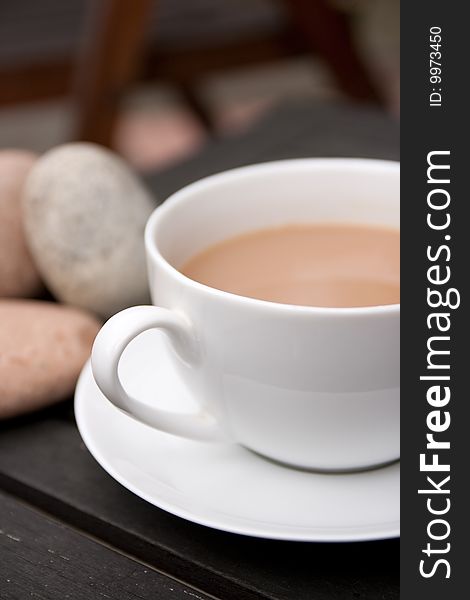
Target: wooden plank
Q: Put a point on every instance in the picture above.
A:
(47, 560)
(34, 82)
(295, 130)
(188, 63)
(39, 79)
(46, 463)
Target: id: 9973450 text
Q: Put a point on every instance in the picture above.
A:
(435, 66)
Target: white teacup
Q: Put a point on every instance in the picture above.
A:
(315, 388)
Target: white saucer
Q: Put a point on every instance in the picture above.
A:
(223, 485)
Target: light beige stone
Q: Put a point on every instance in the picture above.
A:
(18, 275)
(85, 214)
(43, 347)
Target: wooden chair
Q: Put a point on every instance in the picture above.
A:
(115, 53)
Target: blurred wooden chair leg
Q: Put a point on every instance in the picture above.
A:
(107, 64)
(326, 31)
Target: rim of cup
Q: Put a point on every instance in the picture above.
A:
(184, 194)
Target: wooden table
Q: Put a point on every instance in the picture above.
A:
(69, 531)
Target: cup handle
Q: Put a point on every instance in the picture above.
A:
(109, 345)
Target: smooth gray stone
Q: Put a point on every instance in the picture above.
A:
(85, 214)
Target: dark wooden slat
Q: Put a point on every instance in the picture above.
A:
(294, 130)
(52, 28)
(47, 464)
(39, 79)
(35, 82)
(188, 63)
(43, 559)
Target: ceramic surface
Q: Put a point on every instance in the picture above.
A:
(311, 387)
(223, 485)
